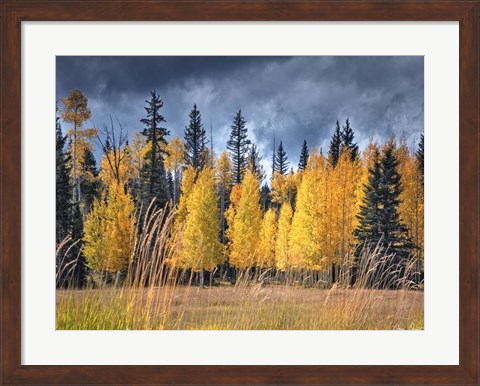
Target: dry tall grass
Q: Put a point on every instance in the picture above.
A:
(153, 295)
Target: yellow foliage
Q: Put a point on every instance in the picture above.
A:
(223, 170)
(284, 187)
(188, 183)
(201, 248)
(109, 231)
(138, 150)
(244, 219)
(175, 155)
(268, 235)
(83, 142)
(308, 238)
(346, 191)
(283, 254)
(411, 208)
(116, 167)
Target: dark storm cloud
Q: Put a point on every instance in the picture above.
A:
(296, 97)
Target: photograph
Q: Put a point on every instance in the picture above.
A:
(239, 192)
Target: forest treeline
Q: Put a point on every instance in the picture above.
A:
(228, 218)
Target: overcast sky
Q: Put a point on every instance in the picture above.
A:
(296, 97)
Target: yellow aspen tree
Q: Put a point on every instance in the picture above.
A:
(284, 188)
(116, 167)
(411, 207)
(188, 183)
(75, 111)
(268, 236)
(138, 149)
(283, 254)
(345, 188)
(307, 239)
(224, 178)
(201, 248)
(174, 162)
(109, 231)
(245, 224)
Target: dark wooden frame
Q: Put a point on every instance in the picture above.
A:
(13, 12)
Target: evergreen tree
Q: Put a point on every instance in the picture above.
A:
(347, 140)
(254, 163)
(63, 188)
(154, 179)
(335, 146)
(281, 160)
(369, 228)
(394, 231)
(171, 186)
(379, 218)
(195, 140)
(265, 198)
(419, 154)
(238, 147)
(304, 154)
(89, 184)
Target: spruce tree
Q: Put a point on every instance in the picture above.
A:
(379, 219)
(348, 140)
(89, 186)
(153, 176)
(265, 199)
(254, 163)
(171, 186)
(393, 230)
(369, 226)
(238, 147)
(419, 154)
(335, 146)
(281, 160)
(195, 140)
(63, 187)
(304, 154)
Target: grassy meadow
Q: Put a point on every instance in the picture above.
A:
(254, 307)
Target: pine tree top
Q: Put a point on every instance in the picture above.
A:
(281, 160)
(304, 154)
(335, 146)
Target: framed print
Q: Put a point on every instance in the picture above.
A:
(255, 192)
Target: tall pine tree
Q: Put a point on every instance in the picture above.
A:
(281, 160)
(265, 198)
(369, 228)
(335, 146)
(419, 154)
(195, 140)
(89, 184)
(304, 154)
(238, 147)
(379, 218)
(63, 187)
(348, 140)
(154, 178)
(254, 163)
